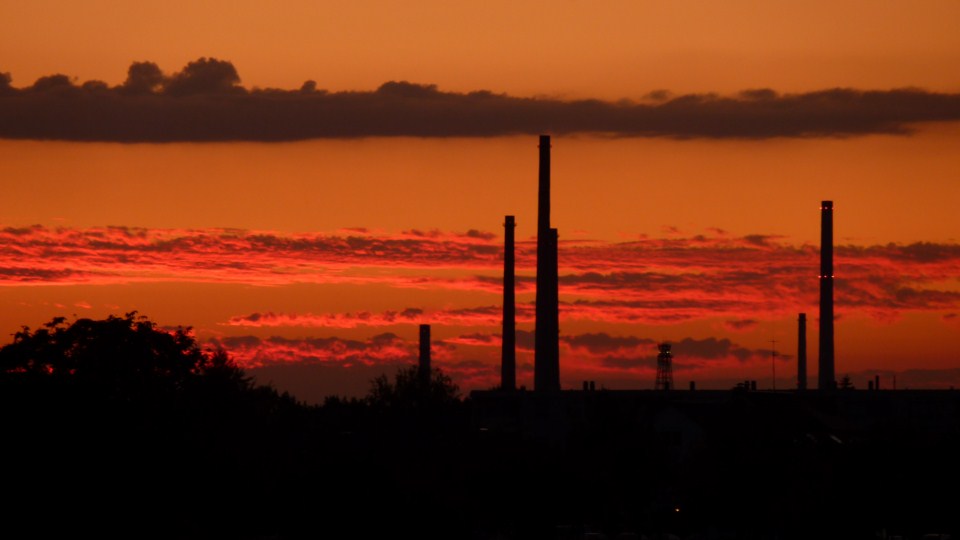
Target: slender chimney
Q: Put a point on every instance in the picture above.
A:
(546, 368)
(543, 199)
(802, 353)
(424, 369)
(827, 377)
(508, 359)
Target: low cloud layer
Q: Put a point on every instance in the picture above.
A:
(205, 102)
(472, 360)
(313, 368)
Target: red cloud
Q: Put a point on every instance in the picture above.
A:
(645, 280)
(473, 360)
(252, 352)
(475, 316)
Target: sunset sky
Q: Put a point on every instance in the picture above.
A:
(351, 181)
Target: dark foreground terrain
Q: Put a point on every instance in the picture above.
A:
(103, 433)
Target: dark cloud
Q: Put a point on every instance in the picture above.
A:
(741, 325)
(526, 341)
(658, 95)
(759, 94)
(233, 342)
(478, 339)
(18, 275)
(482, 235)
(629, 363)
(204, 102)
(52, 83)
(883, 294)
(254, 352)
(143, 78)
(95, 87)
(713, 349)
(385, 339)
(604, 343)
(759, 240)
(205, 76)
(923, 252)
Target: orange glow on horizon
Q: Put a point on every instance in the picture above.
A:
(622, 49)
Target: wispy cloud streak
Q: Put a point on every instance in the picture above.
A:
(473, 359)
(252, 351)
(646, 280)
(121, 255)
(473, 316)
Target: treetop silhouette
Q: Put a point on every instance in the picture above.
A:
(409, 391)
(125, 356)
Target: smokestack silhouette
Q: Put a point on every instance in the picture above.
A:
(827, 378)
(546, 368)
(424, 368)
(543, 200)
(802, 353)
(508, 359)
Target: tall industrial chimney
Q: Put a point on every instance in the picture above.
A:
(423, 372)
(802, 353)
(508, 358)
(543, 199)
(546, 368)
(827, 377)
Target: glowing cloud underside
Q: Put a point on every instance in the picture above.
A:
(648, 280)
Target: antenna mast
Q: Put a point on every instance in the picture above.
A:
(664, 368)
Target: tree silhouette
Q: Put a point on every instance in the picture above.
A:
(119, 416)
(125, 356)
(408, 391)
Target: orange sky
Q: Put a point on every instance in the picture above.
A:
(621, 48)
(899, 189)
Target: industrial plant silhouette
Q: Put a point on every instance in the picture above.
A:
(736, 463)
(547, 329)
(193, 449)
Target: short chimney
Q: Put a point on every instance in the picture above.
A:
(423, 370)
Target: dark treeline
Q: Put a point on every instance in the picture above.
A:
(118, 427)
